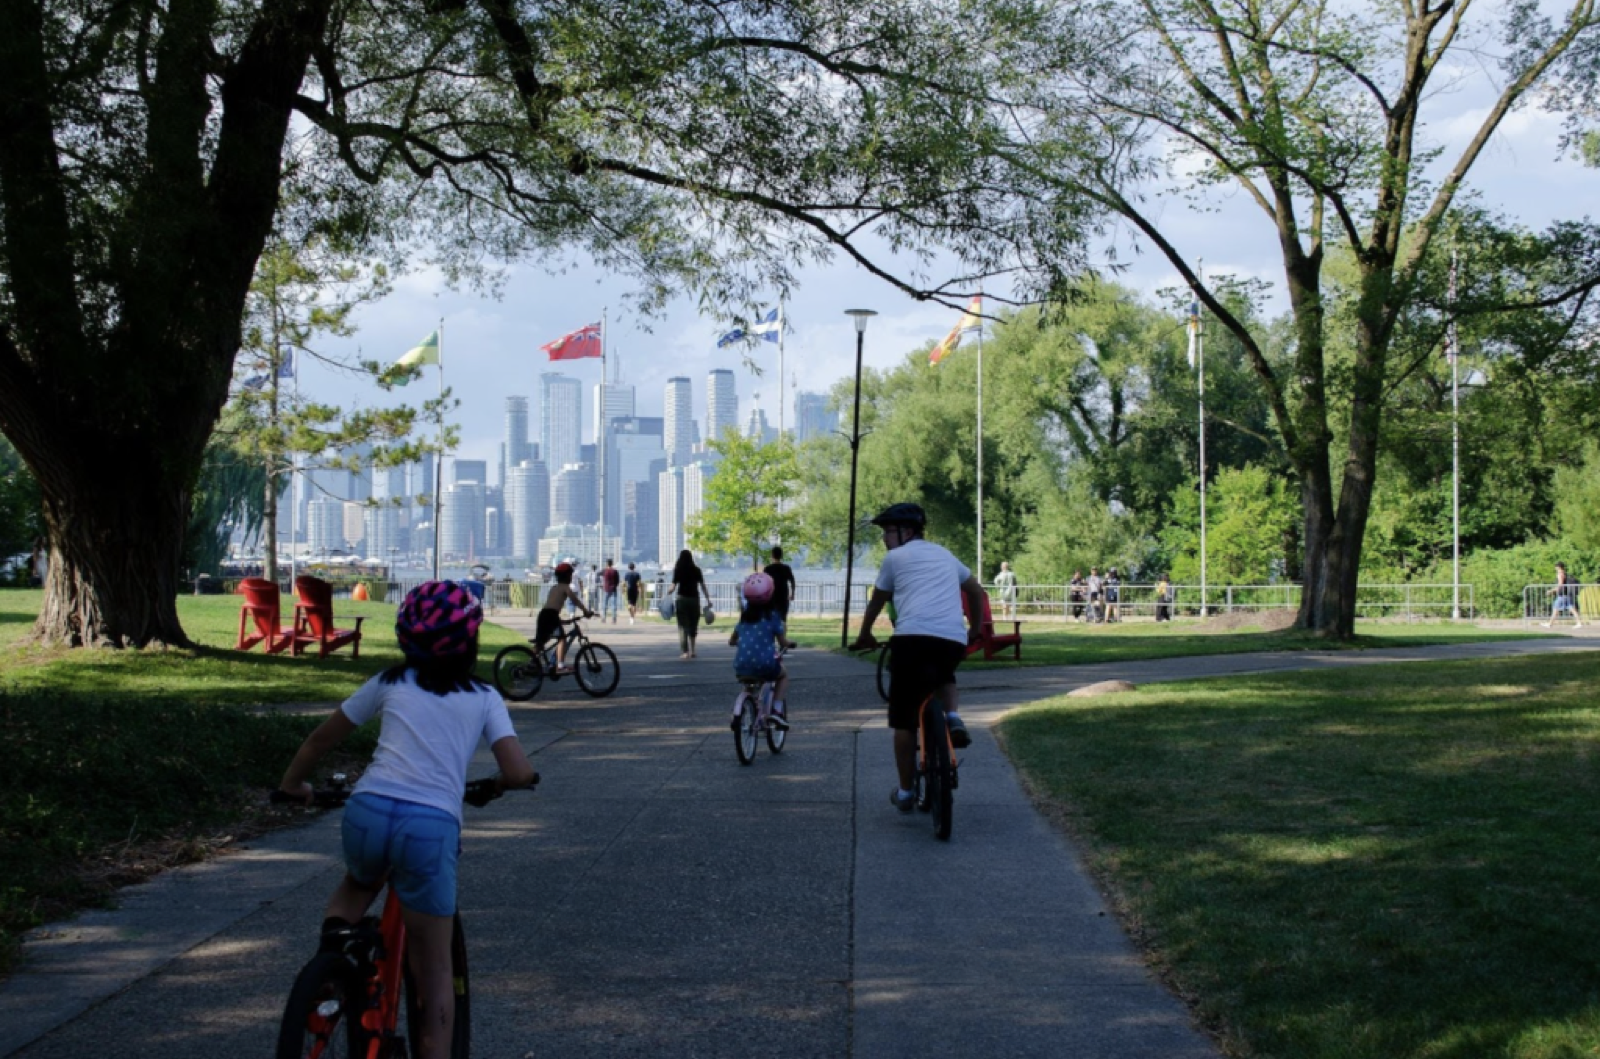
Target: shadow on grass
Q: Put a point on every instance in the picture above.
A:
(1391, 862)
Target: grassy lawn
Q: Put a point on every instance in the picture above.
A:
(1065, 645)
(120, 763)
(1385, 862)
(215, 674)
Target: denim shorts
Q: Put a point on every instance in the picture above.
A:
(415, 846)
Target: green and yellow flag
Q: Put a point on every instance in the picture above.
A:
(424, 352)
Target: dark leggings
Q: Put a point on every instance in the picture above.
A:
(688, 610)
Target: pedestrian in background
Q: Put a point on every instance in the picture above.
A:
(1006, 582)
(688, 585)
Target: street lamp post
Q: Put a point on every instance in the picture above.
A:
(861, 316)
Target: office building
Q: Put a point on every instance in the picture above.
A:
(619, 401)
(324, 526)
(577, 544)
(572, 496)
(695, 478)
(355, 527)
(359, 483)
(634, 446)
(560, 419)
(528, 505)
(469, 471)
(722, 404)
(641, 518)
(516, 431)
(678, 421)
(390, 483)
(461, 523)
(669, 515)
(382, 531)
(813, 417)
(421, 475)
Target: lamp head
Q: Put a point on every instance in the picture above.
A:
(861, 316)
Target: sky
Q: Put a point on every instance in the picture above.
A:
(491, 346)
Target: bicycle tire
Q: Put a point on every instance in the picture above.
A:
(461, 1030)
(310, 1027)
(941, 792)
(744, 733)
(518, 672)
(776, 736)
(597, 670)
(883, 673)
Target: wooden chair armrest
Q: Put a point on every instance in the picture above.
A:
(359, 620)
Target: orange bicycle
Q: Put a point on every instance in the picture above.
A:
(937, 767)
(346, 1002)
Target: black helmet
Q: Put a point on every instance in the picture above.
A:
(901, 515)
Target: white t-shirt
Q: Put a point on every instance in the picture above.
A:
(926, 581)
(426, 741)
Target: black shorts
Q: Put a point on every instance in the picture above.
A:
(549, 625)
(918, 667)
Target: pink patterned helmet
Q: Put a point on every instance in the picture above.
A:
(438, 619)
(758, 588)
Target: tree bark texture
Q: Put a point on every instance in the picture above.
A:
(110, 385)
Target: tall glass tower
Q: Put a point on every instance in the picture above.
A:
(679, 416)
(722, 404)
(560, 420)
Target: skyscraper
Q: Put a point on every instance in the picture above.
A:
(619, 403)
(758, 430)
(461, 527)
(560, 419)
(722, 404)
(469, 471)
(634, 446)
(679, 415)
(641, 516)
(516, 440)
(528, 504)
(669, 513)
(813, 417)
(572, 496)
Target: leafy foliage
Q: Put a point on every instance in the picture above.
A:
(748, 501)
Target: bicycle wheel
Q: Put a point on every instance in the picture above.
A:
(597, 670)
(941, 796)
(776, 735)
(518, 673)
(461, 1031)
(883, 673)
(323, 1016)
(744, 731)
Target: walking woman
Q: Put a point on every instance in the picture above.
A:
(688, 584)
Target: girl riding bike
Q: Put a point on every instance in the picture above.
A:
(758, 635)
(403, 820)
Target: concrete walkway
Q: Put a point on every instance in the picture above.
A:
(654, 898)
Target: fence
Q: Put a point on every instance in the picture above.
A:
(1538, 604)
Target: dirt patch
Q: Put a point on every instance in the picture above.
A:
(1262, 620)
(1102, 687)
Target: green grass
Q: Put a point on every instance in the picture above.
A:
(215, 673)
(1046, 644)
(117, 762)
(1377, 863)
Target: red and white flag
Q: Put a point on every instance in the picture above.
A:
(584, 342)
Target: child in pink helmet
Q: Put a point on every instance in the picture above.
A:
(758, 636)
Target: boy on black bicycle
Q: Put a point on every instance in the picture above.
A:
(549, 621)
(402, 824)
(758, 636)
(930, 639)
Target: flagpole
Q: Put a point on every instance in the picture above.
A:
(294, 488)
(783, 393)
(980, 446)
(438, 461)
(601, 529)
(1200, 359)
(1452, 343)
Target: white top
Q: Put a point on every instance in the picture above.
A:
(426, 741)
(926, 581)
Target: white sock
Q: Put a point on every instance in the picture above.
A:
(903, 794)
(777, 707)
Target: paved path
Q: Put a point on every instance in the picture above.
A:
(653, 898)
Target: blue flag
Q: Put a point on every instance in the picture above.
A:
(768, 327)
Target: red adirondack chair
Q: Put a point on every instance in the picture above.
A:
(313, 619)
(990, 642)
(260, 613)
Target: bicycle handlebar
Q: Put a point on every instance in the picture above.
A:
(479, 792)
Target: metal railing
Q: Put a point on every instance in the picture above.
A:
(1539, 603)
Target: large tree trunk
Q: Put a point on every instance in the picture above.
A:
(114, 368)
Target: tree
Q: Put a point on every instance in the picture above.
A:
(1578, 500)
(1317, 115)
(147, 155)
(21, 521)
(749, 501)
(1248, 512)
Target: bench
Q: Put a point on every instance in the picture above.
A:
(990, 642)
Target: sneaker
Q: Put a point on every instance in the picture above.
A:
(778, 721)
(958, 734)
(906, 804)
(734, 724)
